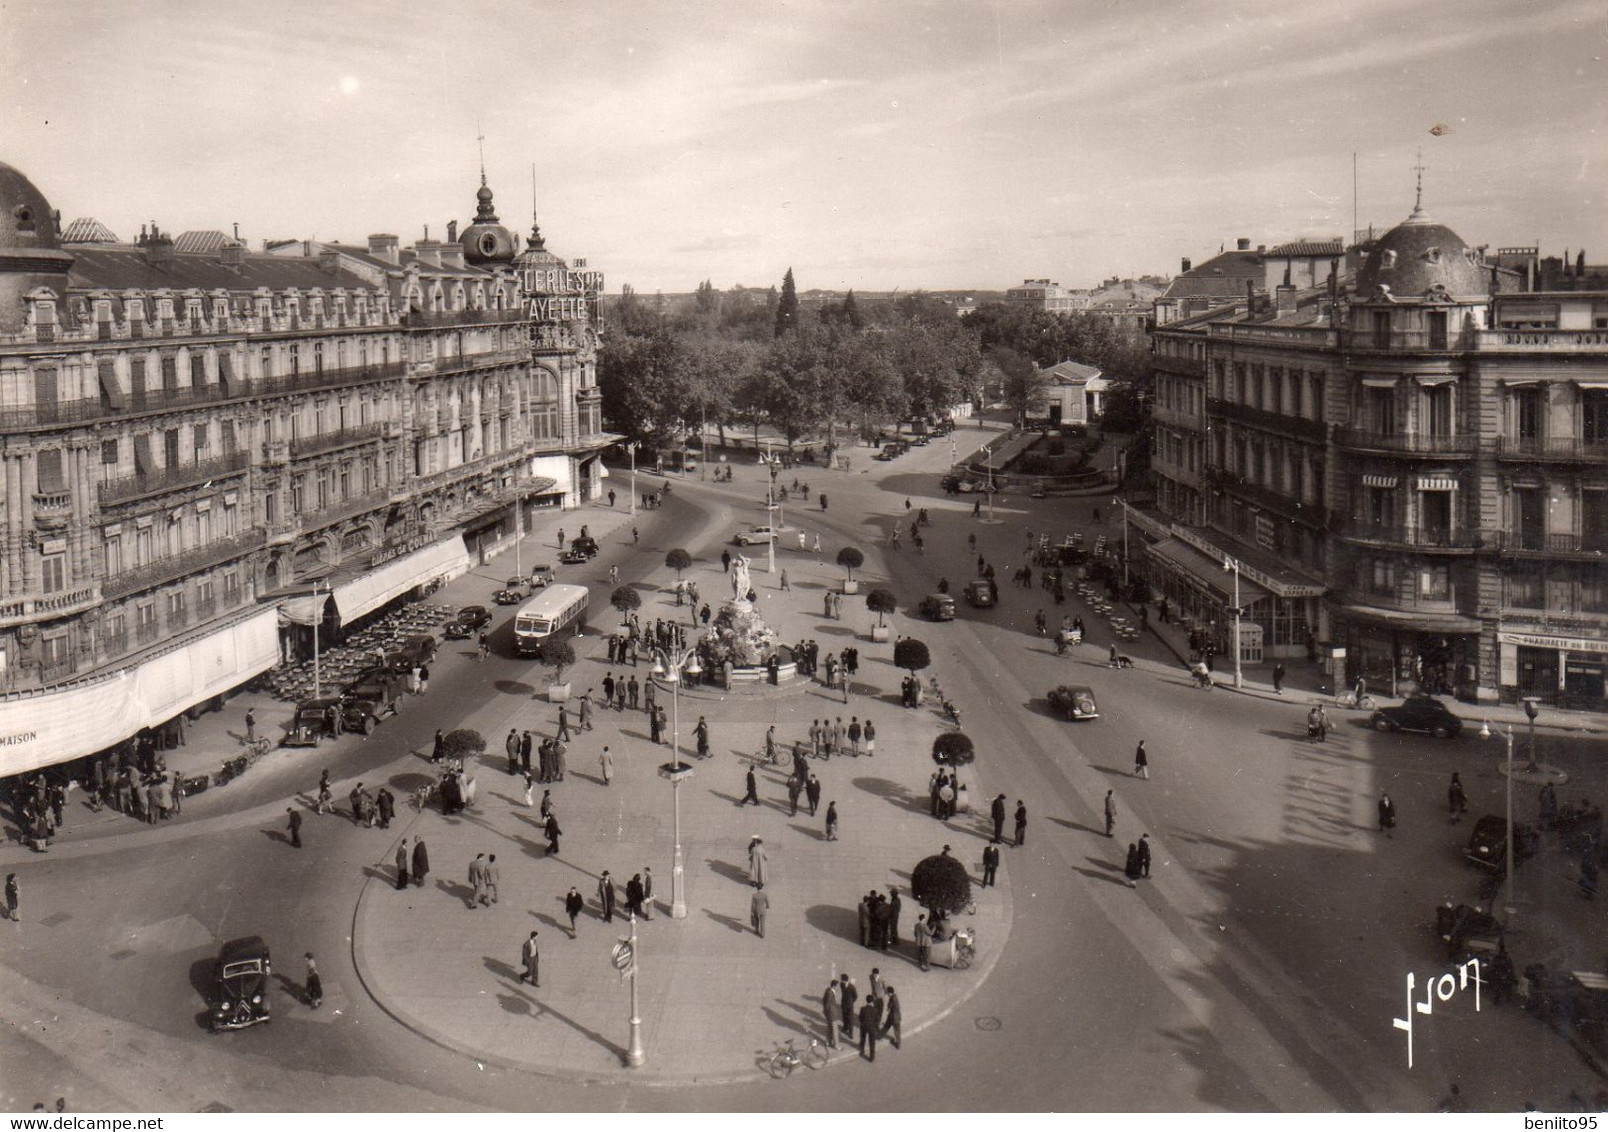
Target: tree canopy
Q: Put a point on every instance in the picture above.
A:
(882, 603)
(678, 560)
(558, 654)
(940, 885)
(911, 654)
(625, 599)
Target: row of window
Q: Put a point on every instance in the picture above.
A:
(1291, 392)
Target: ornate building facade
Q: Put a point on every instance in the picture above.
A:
(204, 449)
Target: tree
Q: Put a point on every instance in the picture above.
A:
(625, 599)
(940, 885)
(558, 654)
(1025, 384)
(678, 560)
(851, 559)
(463, 744)
(882, 603)
(953, 748)
(787, 307)
(912, 655)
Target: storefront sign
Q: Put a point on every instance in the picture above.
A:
(1264, 533)
(399, 549)
(1250, 573)
(1567, 644)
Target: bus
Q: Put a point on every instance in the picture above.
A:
(557, 608)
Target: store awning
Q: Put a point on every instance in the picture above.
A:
(305, 610)
(369, 591)
(1428, 622)
(1207, 572)
(56, 725)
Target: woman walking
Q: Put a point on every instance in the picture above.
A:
(831, 821)
(315, 985)
(13, 913)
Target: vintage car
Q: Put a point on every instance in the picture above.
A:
(469, 621)
(574, 557)
(413, 651)
(241, 997)
(311, 723)
(1418, 713)
(982, 593)
(937, 607)
(760, 535)
(365, 703)
(585, 544)
(540, 576)
(1487, 844)
(1074, 702)
(508, 596)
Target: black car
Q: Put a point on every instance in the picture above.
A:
(1424, 714)
(574, 557)
(470, 620)
(508, 597)
(1487, 844)
(244, 967)
(584, 544)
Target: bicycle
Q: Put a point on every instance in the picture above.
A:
(785, 1059)
(1350, 700)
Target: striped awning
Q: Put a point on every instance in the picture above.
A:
(1436, 483)
(1378, 481)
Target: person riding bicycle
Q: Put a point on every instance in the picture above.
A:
(1202, 674)
(896, 538)
(1039, 622)
(1318, 723)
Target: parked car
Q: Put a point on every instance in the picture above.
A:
(469, 621)
(574, 557)
(413, 651)
(310, 723)
(1074, 702)
(888, 452)
(937, 607)
(757, 535)
(1487, 844)
(508, 596)
(1037, 493)
(240, 998)
(1424, 714)
(541, 576)
(982, 593)
(364, 704)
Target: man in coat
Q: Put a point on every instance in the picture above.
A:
(573, 904)
(552, 832)
(893, 916)
(1144, 855)
(1110, 811)
(526, 745)
(870, 1021)
(511, 745)
(893, 1019)
(402, 865)
(477, 881)
(848, 997)
(829, 1012)
(293, 827)
(756, 862)
(492, 876)
(865, 920)
(990, 865)
(997, 812)
(647, 893)
(923, 943)
(606, 896)
(1021, 822)
(812, 791)
(421, 862)
(530, 957)
(758, 908)
(753, 790)
(633, 895)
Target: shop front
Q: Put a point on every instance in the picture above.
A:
(1402, 653)
(1190, 572)
(1571, 671)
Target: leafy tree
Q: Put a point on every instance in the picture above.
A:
(625, 599)
(940, 885)
(850, 312)
(912, 655)
(1025, 384)
(678, 560)
(787, 307)
(953, 748)
(882, 603)
(463, 743)
(707, 300)
(850, 558)
(556, 653)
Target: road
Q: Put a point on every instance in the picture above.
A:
(1258, 969)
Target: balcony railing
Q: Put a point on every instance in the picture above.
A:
(1308, 337)
(143, 402)
(1409, 444)
(338, 438)
(1546, 341)
(1403, 534)
(1172, 363)
(1406, 341)
(1551, 448)
(1534, 542)
(182, 565)
(52, 503)
(461, 362)
(57, 671)
(1265, 419)
(171, 479)
(39, 607)
(344, 509)
(436, 319)
(146, 632)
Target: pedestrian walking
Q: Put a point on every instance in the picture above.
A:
(1278, 677)
(1110, 811)
(13, 910)
(829, 1012)
(251, 726)
(563, 725)
(894, 906)
(794, 789)
(831, 819)
(997, 813)
(421, 862)
(990, 864)
(402, 865)
(633, 896)
(530, 788)
(573, 903)
(893, 1019)
(812, 792)
(758, 908)
(1130, 868)
(757, 860)
(477, 881)
(606, 896)
(636, 537)
(753, 790)
(493, 877)
(586, 711)
(848, 999)
(633, 691)
(1141, 762)
(1456, 800)
(293, 827)
(315, 985)
(1021, 822)
(385, 804)
(818, 537)
(701, 732)
(870, 1023)
(530, 959)
(647, 893)
(870, 729)
(1144, 855)
(785, 586)
(606, 765)
(424, 678)
(1387, 814)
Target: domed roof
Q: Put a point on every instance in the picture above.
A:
(27, 222)
(486, 241)
(1418, 257)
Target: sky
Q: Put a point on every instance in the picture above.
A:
(888, 145)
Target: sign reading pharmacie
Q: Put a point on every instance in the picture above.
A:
(1547, 641)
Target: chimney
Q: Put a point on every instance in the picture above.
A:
(159, 248)
(428, 251)
(452, 255)
(1284, 299)
(383, 245)
(1184, 270)
(1242, 244)
(329, 261)
(237, 231)
(231, 255)
(452, 231)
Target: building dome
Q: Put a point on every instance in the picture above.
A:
(486, 242)
(1419, 257)
(27, 222)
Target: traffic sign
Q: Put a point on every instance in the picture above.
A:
(624, 957)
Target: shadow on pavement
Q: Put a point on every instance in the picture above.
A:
(513, 688)
(896, 793)
(834, 920)
(819, 835)
(731, 922)
(457, 891)
(1078, 827)
(728, 871)
(796, 1025)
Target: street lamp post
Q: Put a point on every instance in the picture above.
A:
(770, 511)
(631, 448)
(1531, 709)
(635, 1055)
(1124, 503)
(1512, 897)
(1233, 565)
(318, 621)
(703, 444)
(672, 660)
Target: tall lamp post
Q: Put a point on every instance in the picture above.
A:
(1485, 733)
(771, 519)
(318, 623)
(1531, 709)
(672, 661)
(1124, 504)
(1231, 564)
(631, 448)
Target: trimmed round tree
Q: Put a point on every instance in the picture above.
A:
(953, 748)
(558, 654)
(912, 655)
(625, 599)
(678, 560)
(882, 603)
(463, 744)
(940, 885)
(851, 558)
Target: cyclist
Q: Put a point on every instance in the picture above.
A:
(1039, 622)
(614, 574)
(485, 647)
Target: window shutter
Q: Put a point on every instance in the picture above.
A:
(49, 465)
